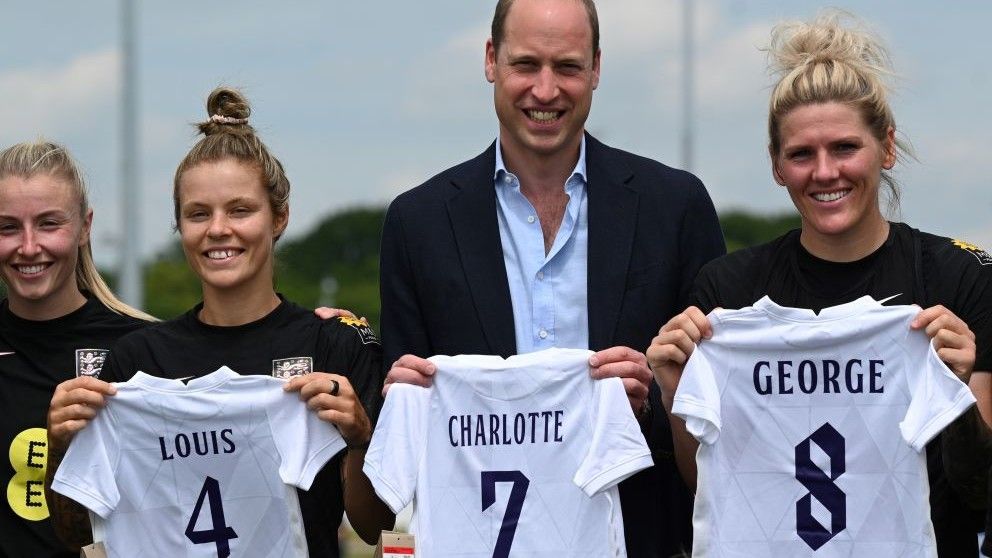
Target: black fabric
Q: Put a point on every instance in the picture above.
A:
(35, 357)
(912, 267)
(186, 347)
(651, 227)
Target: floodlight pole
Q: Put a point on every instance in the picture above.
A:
(129, 266)
(688, 84)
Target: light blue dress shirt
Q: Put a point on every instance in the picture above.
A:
(548, 292)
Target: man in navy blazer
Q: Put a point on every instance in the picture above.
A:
(495, 256)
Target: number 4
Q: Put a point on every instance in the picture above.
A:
(220, 534)
(513, 505)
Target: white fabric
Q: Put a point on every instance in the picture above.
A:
(577, 439)
(255, 441)
(752, 431)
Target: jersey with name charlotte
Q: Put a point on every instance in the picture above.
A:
(204, 469)
(812, 430)
(514, 457)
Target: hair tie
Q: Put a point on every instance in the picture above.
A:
(219, 119)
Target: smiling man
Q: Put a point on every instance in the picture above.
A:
(550, 238)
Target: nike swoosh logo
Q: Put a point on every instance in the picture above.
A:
(5, 354)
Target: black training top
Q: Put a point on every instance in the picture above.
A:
(289, 341)
(912, 267)
(35, 357)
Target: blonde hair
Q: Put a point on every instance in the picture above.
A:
(29, 159)
(834, 58)
(227, 135)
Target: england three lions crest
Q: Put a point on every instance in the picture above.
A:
(287, 368)
(89, 362)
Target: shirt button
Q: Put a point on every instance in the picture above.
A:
(531, 219)
(508, 179)
(543, 334)
(540, 275)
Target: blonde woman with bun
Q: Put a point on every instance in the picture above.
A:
(833, 145)
(231, 205)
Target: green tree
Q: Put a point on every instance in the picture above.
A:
(171, 288)
(742, 229)
(337, 262)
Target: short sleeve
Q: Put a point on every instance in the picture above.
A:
(697, 399)
(959, 276)
(87, 473)
(350, 347)
(394, 457)
(617, 449)
(305, 443)
(938, 397)
(115, 365)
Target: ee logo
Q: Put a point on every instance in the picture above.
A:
(26, 490)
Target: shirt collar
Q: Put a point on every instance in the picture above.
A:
(580, 165)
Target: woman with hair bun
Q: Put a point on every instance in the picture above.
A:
(231, 204)
(58, 320)
(832, 143)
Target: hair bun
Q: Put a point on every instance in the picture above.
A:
(834, 37)
(227, 112)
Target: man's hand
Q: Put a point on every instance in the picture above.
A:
(325, 313)
(671, 348)
(627, 364)
(410, 369)
(952, 339)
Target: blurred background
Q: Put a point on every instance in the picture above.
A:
(363, 100)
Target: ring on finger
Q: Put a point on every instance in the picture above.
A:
(335, 387)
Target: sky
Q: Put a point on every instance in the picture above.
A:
(363, 100)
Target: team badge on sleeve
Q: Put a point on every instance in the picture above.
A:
(983, 257)
(286, 368)
(89, 362)
(365, 332)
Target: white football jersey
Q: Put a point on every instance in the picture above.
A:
(204, 469)
(812, 431)
(514, 457)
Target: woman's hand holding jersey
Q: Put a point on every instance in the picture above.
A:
(670, 349)
(667, 355)
(952, 339)
(73, 406)
(334, 400)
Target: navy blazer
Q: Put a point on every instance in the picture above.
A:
(444, 289)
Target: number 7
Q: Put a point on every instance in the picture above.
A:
(513, 506)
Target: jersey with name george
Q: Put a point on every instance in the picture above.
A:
(812, 430)
(204, 469)
(509, 457)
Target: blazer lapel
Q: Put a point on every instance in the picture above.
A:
(612, 221)
(472, 211)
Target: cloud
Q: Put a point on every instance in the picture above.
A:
(448, 81)
(730, 72)
(59, 101)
